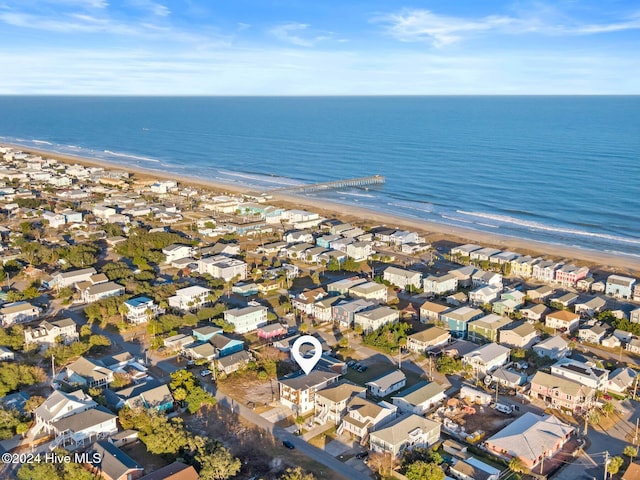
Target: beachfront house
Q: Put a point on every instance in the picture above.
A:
(568, 275)
(619, 286)
(545, 271)
(483, 254)
(402, 278)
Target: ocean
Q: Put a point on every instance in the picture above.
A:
(558, 169)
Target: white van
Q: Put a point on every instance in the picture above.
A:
(501, 407)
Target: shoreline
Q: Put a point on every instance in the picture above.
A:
(432, 231)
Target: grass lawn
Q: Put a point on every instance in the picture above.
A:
(323, 439)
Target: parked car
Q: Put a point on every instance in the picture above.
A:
(350, 363)
(288, 444)
(362, 455)
(363, 369)
(205, 373)
(191, 363)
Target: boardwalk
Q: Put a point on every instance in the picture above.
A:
(335, 185)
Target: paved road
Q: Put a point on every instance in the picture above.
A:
(281, 434)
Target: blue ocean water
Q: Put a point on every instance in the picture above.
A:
(559, 169)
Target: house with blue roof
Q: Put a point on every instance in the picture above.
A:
(204, 334)
(141, 310)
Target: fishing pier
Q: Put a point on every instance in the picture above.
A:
(335, 185)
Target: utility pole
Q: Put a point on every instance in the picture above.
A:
(496, 392)
(606, 463)
(53, 368)
(635, 438)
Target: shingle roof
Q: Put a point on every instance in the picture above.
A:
(83, 420)
(420, 392)
(530, 436)
(112, 461)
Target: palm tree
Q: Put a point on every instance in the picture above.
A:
(631, 452)
(591, 417)
(517, 466)
(608, 408)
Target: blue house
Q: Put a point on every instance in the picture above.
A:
(204, 334)
(457, 321)
(224, 345)
(325, 240)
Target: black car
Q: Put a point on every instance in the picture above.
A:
(288, 444)
(362, 455)
(363, 369)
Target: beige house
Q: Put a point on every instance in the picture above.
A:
(18, 312)
(48, 333)
(331, 402)
(298, 391)
(519, 335)
(562, 320)
(430, 338)
(560, 392)
(405, 433)
(430, 311)
(363, 416)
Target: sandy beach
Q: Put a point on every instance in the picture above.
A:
(432, 231)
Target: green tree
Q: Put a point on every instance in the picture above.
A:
(517, 466)
(608, 408)
(631, 452)
(218, 464)
(424, 471)
(614, 465)
(448, 365)
(53, 471)
(297, 474)
(33, 403)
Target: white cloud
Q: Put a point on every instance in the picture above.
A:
(413, 25)
(154, 8)
(292, 33)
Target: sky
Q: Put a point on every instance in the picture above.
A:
(319, 47)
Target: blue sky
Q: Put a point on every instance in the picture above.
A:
(325, 47)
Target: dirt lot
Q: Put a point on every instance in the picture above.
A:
(484, 418)
(261, 454)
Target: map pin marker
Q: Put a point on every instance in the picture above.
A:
(306, 364)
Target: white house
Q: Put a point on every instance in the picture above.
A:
(246, 319)
(439, 285)
(140, 310)
(387, 384)
(83, 428)
(177, 251)
(18, 312)
(48, 333)
(71, 277)
(375, 318)
(420, 398)
(620, 286)
(486, 358)
(562, 320)
(553, 347)
(99, 291)
(189, 297)
(298, 390)
(369, 291)
(402, 278)
(583, 373)
(59, 405)
(224, 267)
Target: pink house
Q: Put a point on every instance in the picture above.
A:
(568, 275)
(273, 330)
